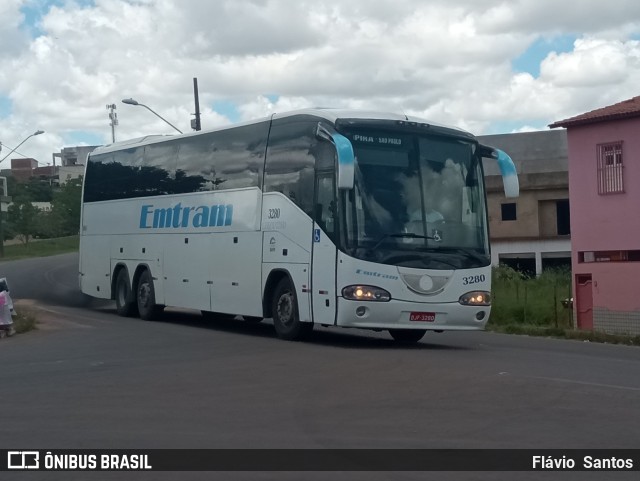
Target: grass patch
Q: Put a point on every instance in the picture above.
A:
(533, 307)
(42, 248)
(596, 336)
(537, 301)
(560, 333)
(24, 321)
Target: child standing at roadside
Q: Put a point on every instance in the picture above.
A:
(6, 310)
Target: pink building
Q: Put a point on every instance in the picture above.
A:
(604, 188)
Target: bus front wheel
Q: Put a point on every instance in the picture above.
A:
(285, 313)
(407, 336)
(125, 304)
(146, 297)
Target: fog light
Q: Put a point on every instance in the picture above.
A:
(480, 315)
(361, 311)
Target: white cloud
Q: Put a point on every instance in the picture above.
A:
(577, 16)
(592, 63)
(450, 63)
(261, 106)
(12, 38)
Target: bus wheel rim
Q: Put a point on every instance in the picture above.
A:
(285, 308)
(144, 293)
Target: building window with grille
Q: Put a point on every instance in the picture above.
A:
(610, 168)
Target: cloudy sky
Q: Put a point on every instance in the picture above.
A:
(487, 66)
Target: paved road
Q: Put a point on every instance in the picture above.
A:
(88, 378)
(52, 280)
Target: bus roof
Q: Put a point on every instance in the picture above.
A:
(331, 115)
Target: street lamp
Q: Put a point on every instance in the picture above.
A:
(37, 132)
(135, 102)
(8, 199)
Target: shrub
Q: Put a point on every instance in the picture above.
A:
(24, 321)
(518, 299)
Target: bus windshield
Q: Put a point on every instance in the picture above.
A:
(418, 201)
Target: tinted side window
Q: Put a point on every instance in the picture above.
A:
(114, 175)
(227, 159)
(134, 172)
(157, 173)
(291, 160)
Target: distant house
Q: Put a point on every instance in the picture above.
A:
(532, 232)
(604, 184)
(70, 166)
(22, 169)
(72, 162)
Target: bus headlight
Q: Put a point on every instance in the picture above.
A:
(475, 298)
(365, 293)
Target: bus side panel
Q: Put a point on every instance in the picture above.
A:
(299, 274)
(235, 262)
(135, 250)
(142, 248)
(286, 246)
(95, 267)
(186, 273)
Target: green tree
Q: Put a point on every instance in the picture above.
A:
(7, 227)
(23, 219)
(46, 226)
(36, 190)
(65, 208)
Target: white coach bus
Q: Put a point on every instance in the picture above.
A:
(328, 217)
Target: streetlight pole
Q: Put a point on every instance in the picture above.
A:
(135, 102)
(8, 198)
(37, 132)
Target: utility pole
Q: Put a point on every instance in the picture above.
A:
(195, 123)
(113, 117)
(4, 198)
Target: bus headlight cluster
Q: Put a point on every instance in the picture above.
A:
(475, 298)
(366, 293)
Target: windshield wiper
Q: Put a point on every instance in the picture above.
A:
(425, 261)
(402, 235)
(464, 252)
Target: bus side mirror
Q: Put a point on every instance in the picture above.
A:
(507, 169)
(346, 157)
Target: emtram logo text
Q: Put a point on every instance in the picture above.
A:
(179, 216)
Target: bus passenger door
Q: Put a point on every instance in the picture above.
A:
(323, 264)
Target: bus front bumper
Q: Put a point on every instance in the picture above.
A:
(397, 314)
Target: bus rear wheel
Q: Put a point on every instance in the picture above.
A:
(407, 336)
(285, 313)
(146, 297)
(125, 304)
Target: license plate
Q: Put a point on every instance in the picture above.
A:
(422, 316)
